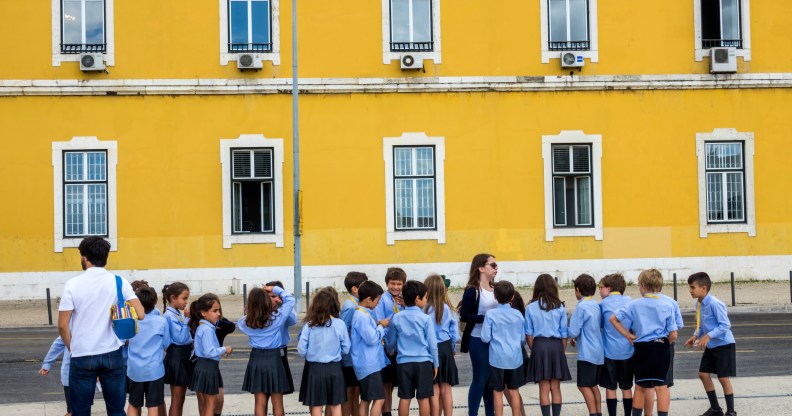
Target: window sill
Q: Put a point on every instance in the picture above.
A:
(393, 236)
(727, 228)
(702, 53)
(276, 239)
(61, 243)
(58, 57)
(273, 57)
(591, 55)
(551, 233)
(388, 56)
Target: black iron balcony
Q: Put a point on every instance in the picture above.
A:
(249, 47)
(575, 45)
(412, 46)
(721, 43)
(83, 48)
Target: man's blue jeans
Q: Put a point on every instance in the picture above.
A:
(109, 368)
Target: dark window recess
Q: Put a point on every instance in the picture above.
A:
(713, 32)
(255, 217)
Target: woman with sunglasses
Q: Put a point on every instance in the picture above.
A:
(476, 301)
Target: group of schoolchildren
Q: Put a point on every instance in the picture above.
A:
(405, 337)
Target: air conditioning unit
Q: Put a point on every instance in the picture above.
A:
(410, 62)
(249, 61)
(91, 62)
(723, 60)
(571, 60)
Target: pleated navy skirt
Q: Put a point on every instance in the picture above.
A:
(265, 372)
(447, 371)
(323, 384)
(206, 377)
(178, 368)
(548, 361)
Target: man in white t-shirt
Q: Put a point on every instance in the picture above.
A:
(86, 329)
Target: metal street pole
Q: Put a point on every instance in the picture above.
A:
(296, 167)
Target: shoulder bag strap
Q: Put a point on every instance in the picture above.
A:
(119, 295)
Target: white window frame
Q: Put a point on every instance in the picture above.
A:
(58, 57)
(573, 137)
(733, 135)
(745, 23)
(84, 143)
(274, 56)
(388, 56)
(414, 139)
(592, 54)
(249, 141)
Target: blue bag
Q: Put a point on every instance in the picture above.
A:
(123, 315)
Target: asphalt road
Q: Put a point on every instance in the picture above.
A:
(763, 346)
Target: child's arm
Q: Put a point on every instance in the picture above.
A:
(166, 339)
(672, 336)
(486, 329)
(724, 324)
(344, 335)
(620, 329)
(528, 329)
(432, 339)
(302, 341)
(371, 333)
(563, 327)
(208, 346)
(292, 319)
(56, 349)
(391, 336)
(286, 308)
(453, 327)
(575, 325)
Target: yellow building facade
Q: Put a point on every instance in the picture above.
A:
(638, 152)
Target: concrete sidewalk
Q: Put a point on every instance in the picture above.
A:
(765, 396)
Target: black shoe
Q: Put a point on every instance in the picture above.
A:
(713, 412)
(731, 413)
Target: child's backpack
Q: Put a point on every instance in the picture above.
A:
(123, 315)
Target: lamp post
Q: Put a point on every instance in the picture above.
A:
(296, 166)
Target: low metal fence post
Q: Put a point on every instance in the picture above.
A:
(49, 306)
(675, 287)
(244, 297)
(734, 301)
(307, 295)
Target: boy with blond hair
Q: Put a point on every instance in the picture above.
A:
(652, 321)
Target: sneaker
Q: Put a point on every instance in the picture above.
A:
(731, 413)
(713, 412)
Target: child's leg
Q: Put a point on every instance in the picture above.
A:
(446, 399)
(209, 401)
(434, 401)
(423, 407)
(638, 403)
(277, 404)
(627, 401)
(133, 411)
(376, 407)
(334, 410)
(728, 392)
(388, 398)
(663, 398)
(363, 408)
(555, 390)
(497, 400)
(597, 399)
(316, 410)
(611, 402)
(648, 401)
(515, 401)
(161, 409)
(588, 397)
(151, 411)
(544, 393)
(219, 401)
(404, 407)
(259, 404)
(177, 400)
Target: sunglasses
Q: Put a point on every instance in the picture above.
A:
(493, 265)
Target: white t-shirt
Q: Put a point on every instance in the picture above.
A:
(89, 296)
(486, 302)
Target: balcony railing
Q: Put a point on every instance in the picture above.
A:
(83, 48)
(576, 45)
(721, 43)
(412, 46)
(250, 47)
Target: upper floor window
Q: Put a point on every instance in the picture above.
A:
(720, 23)
(411, 25)
(83, 26)
(569, 25)
(249, 27)
(253, 198)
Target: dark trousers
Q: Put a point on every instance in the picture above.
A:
(479, 361)
(110, 370)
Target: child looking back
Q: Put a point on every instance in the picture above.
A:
(504, 330)
(654, 326)
(547, 330)
(391, 303)
(207, 382)
(584, 330)
(617, 371)
(322, 341)
(446, 325)
(368, 357)
(352, 282)
(412, 334)
(713, 335)
(145, 367)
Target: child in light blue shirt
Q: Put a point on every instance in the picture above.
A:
(585, 333)
(58, 347)
(368, 357)
(145, 364)
(617, 371)
(352, 282)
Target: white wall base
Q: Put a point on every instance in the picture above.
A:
(32, 285)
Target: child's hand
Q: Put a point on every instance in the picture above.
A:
(186, 311)
(435, 374)
(268, 289)
(384, 322)
(573, 342)
(43, 372)
(703, 341)
(400, 299)
(690, 341)
(228, 350)
(631, 337)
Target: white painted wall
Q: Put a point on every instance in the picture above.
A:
(32, 285)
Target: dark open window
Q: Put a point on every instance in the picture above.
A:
(252, 191)
(572, 186)
(720, 23)
(83, 26)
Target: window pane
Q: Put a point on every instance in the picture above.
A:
(400, 20)
(425, 190)
(425, 161)
(97, 166)
(404, 203)
(262, 164)
(422, 21)
(714, 197)
(250, 206)
(583, 195)
(97, 209)
(236, 209)
(241, 164)
(734, 196)
(710, 19)
(578, 20)
(261, 21)
(730, 13)
(581, 159)
(724, 155)
(239, 22)
(266, 207)
(559, 201)
(402, 161)
(73, 166)
(94, 21)
(561, 162)
(74, 210)
(558, 21)
(72, 22)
